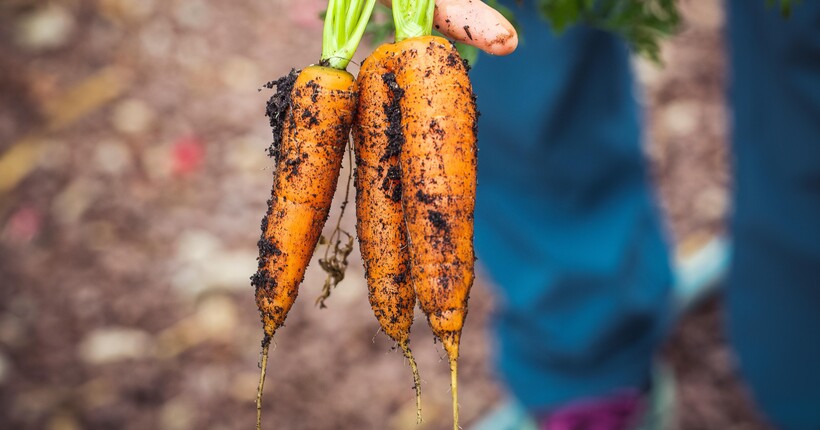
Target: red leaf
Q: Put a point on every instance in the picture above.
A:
(188, 154)
(23, 225)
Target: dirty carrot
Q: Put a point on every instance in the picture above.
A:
(438, 178)
(311, 115)
(380, 219)
(438, 173)
(426, 172)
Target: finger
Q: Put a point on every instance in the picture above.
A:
(474, 23)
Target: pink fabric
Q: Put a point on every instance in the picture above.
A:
(618, 412)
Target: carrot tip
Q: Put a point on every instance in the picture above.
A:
(416, 378)
(263, 366)
(454, 390)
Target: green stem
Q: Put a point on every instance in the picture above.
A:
(413, 18)
(345, 22)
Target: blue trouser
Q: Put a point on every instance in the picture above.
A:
(565, 222)
(774, 287)
(566, 226)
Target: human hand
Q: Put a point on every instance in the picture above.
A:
(474, 23)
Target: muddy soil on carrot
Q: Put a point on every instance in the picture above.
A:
(134, 175)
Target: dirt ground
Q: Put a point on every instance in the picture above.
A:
(132, 181)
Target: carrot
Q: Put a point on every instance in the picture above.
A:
(308, 159)
(311, 115)
(380, 220)
(428, 163)
(438, 179)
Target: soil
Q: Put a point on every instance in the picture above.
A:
(129, 224)
(277, 108)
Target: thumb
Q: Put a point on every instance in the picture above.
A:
(474, 23)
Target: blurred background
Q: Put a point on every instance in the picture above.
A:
(132, 181)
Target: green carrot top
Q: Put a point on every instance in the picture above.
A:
(345, 22)
(413, 18)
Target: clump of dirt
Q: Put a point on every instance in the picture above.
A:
(393, 111)
(438, 221)
(277, 109)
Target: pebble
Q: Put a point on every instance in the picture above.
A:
(193, 52)
(112, 157)
(156, 39)
(230, 269)
(102, 236)
(681, 117)
(127, 10)
(247, 154)
(45, 28)
(649, 74)
(193, 14)
(244, 386)
(712, 203)
(196, 245)
(188, 281)
(157, 162)
(70, 205)
(56, 157)
(217, 317)
(241, 74)
(221, 271)
(176, 414)
(111, 344)
(97, 393)
(63, 421)
(209, 381)
(203, 265)
(132, 116)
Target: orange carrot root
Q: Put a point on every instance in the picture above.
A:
(416, 178)
(438, 179)
(314, 130)
(311, 116)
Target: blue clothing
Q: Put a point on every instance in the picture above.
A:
(773, 293)
(565, 222)
(567, 227)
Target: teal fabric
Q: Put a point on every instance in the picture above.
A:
(774, 284)
(565, 222)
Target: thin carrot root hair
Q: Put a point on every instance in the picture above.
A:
(454, 390)
(334, 262)
(416, 378)
(262, 373)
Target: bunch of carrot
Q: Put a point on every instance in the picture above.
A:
(413, 117)
(415, 145)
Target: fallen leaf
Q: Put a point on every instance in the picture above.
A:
(23, 225)
(17, 162)
(86, 96)
(187, 154)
